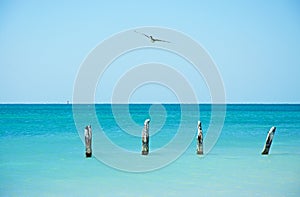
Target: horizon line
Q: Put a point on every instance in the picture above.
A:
(154, 103)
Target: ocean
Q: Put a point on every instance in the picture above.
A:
(42, 153)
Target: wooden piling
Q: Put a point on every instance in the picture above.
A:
(88, 140)
(199, 139)
(145, 138)
(269, 140)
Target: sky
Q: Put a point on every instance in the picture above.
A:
(254, 44)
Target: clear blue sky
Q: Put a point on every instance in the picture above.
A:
(255, 44)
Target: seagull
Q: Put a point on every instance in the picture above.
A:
(151, 38)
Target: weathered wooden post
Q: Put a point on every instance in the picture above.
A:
(88, 140)
(269, 140)
(145, 138)
(200, 139)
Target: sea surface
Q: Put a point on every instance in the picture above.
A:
(42, 153)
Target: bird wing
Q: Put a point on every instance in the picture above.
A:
(142, 34)
(158, 40)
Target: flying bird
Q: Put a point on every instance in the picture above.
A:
(151, 38)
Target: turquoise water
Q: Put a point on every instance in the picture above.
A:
(42, 154)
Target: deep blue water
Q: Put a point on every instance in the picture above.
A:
(42, 154)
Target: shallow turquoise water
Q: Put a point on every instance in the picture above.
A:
(42, 154)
